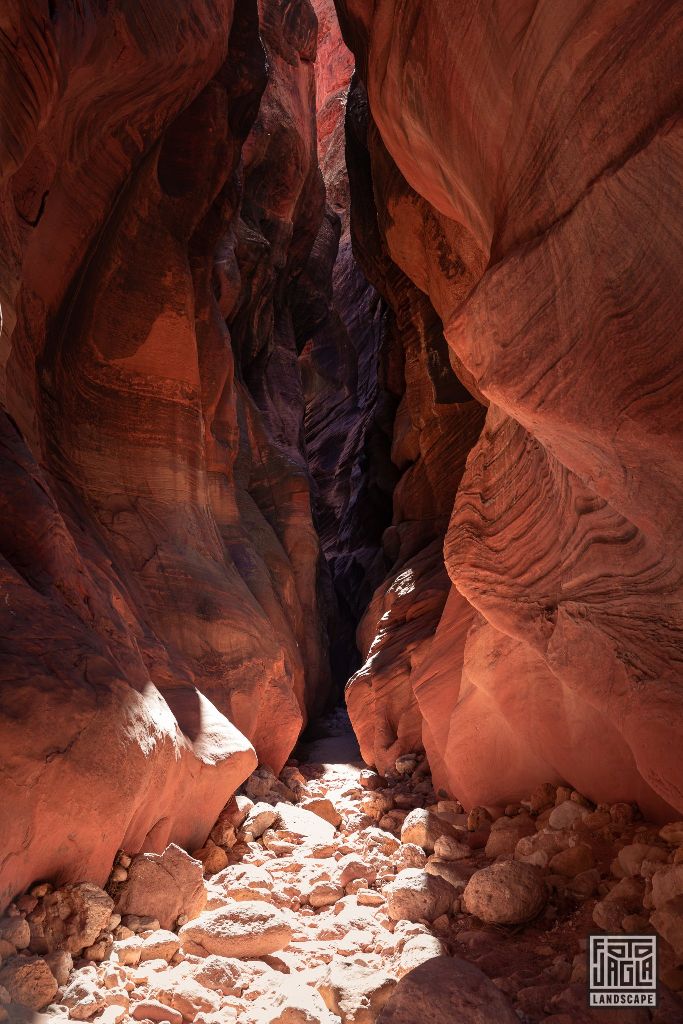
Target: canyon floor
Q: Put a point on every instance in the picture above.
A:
(332, 894)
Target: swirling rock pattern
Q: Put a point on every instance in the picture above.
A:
(159, 567)
(539, 148)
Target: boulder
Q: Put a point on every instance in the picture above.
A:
(221, 974)
(506, 892)
(288, 1001)
(422, 828)
(260, 817)
(163, 885)
(16, 931)
(213, 857)
(567, 814)
(415, 895)
(324, 808)
(572, 861)
(29, 981)
(354, 992)
(668, 920)
(70, 918)
(308, 827)
(160, 945)
(84, 995)
(449, 848)
(505, 834)
(263, 785)
(447, 990)
(243, 930)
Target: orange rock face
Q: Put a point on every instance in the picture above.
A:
(159, 567)
(525, 181)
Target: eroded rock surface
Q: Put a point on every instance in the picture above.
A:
(160, 586)
(536, 210)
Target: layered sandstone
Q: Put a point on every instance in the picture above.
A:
(525, 178)
(159, 594)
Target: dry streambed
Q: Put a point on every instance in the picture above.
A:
(333, 895)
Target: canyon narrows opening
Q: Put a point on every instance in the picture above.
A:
(340, 545)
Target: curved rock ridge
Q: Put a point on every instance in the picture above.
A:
(527, 182)
(159, 594)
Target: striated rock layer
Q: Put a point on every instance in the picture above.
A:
(527, 182)
(159, 593)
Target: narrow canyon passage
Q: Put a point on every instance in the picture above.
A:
(341, 465)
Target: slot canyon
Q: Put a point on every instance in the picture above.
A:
(341, 531)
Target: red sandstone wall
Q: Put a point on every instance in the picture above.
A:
(158, 561)
(528, 182)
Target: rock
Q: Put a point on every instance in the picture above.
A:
(415, 895)
(449, 848)
(213, 857)
(61, 964)
(539, 848)
(16, 931)
(376, 803)
(631, 857)
(667, 884)
(263, 785)
(354, 992)
(370, 780)
(309, 828)
(625, 898)
(29, 981)
(248, 929)
(507, 892)
(190, 998)
(479, 819)
(505, 834)
(84, 996)
(160, 945)
(622, 813)
(668, 920)
(224, 833)
(572, 861)
(325, 894)
(152, 1009)
(260, 817)
(543, 796)
(410, 855)
(165, 885)
(421, 828)
(351, 866)
(672, 833)
(289, 1002)
(566, 815)
(406, 764)
(447, 990)
(370, 898)
(237, 810)
(243, 882)
(530, 420)
(221, 974)
(417, 950)
(454, 872)
(70, 918)
(129, 950)
(324, 808)
(584, 884)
